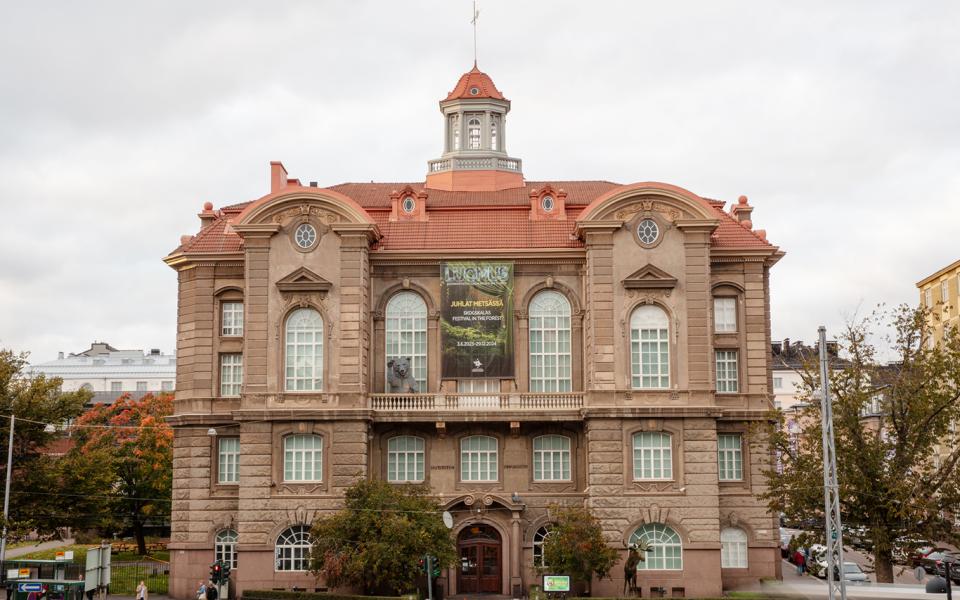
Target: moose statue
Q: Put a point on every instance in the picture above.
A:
(636, 553)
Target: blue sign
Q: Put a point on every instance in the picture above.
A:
(29, 587)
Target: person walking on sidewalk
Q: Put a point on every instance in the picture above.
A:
(800, 560)
(142, 591)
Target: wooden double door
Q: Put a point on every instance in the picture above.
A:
(479, 547)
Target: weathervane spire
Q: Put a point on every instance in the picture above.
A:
(476, 14)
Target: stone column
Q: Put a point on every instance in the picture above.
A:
(697, 294)
(354, 334)
(515, 549)
(599, 342)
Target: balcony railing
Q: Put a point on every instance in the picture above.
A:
(477, 401)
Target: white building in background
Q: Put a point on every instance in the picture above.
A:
(109, 372)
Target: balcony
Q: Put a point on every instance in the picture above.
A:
(481, 402)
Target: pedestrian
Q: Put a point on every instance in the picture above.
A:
(202, 591)
(211, 591)
(142, 591)
(800, 561)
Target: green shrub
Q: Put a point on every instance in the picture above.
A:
(285, 595)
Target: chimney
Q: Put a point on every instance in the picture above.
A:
(59, 355)
(278, 176)
(776, 347)
(786, 346)
(207, 216)
(154, 351)
(741, 211)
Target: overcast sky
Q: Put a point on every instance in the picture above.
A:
(840, 121)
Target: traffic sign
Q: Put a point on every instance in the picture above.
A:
(29, 587)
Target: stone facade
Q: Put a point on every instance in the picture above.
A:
(366, 253)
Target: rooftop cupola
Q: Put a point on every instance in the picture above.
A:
(474, 148)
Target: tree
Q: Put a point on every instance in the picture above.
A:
(36, 501)
(575, 546)
(896, 438)
(127, 448)
(377, 540)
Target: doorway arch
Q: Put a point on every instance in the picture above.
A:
(480, 551)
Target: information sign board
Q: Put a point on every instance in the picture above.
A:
(29, 587)
(556, 583)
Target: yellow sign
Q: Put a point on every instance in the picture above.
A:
(24, 572)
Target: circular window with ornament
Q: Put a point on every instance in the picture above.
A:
(547, 204)
(648, 232)
(409, 205)
(474, 91)
(305, 236)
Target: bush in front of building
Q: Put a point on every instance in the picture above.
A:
(285, 595)
(576, 547)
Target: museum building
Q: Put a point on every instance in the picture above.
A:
(512, 344)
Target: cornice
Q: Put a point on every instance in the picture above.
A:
(256, 229)
(435, 257)
(181, 261)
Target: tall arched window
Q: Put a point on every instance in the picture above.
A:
(666, 549)
(293, 549)
(225, 547)
(494, 131)
(455, 132)
(304, 351)
(538, 538)
(550, 343)
(473, 133)
(406, 337)
(649, 348)
(733, 548)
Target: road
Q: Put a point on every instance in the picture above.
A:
(24, 550)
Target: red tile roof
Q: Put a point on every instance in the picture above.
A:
(475, 78)
(469, 220)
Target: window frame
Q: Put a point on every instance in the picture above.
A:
(540, 461)
(659, 531)
(226, 549)
(235, 328)
(228, 461)
(731, 370)
(470, 130)
(539, 537)
(419, 332)
(234, 383)
(538, 319)
(317, 463)
(116, 386)
(721, 313)
(495, 453)
(300, 536)
(739, 547)
(730, 459)
(419, 459)
(637, 352)
(318, 375)
(665, 458)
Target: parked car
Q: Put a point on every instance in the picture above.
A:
(852, 573)
(916, 555)
(858, 537)
(932, 562)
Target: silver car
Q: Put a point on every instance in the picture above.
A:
(852, 573)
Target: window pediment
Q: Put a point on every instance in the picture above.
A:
(303, 280)
(649, 277)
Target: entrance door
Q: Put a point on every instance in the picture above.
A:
(479, 550)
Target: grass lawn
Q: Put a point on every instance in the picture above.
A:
(80, 554)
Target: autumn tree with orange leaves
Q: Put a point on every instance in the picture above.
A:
(132, 447)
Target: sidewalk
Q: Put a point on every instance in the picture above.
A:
(24, 550)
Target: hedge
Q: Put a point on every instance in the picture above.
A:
(285, 595)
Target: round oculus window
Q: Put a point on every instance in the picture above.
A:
(648, 231)
(409, 204)
(547, 203)
(305, 235)
(474, 91)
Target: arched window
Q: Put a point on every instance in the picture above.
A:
(666, 549)
(405, 459)
(478, 458)
(455, 132)
(406, 331)
(303, 458)
(652, 455)
(549, 327)
(494, 130)
(538, 538)
(649, 348)
(225, 547)
(551, 458)
(473, 133)
(293, 549)
(733, 548)
(304, 351)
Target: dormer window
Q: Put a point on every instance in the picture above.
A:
(474, 91)
(409, 205)
(473, 133)
(547, 204)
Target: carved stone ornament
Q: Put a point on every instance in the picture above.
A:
(647, 295)
(303, 280)
(649, 206)
(305, 210)
(649, 277)
(654, 487)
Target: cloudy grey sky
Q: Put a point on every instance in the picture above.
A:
(840, 121)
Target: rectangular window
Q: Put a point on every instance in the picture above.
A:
(478, 458)
(229, 460)
(724, 315)
(166, 386)
(652, 456)
(116, 386)
(928, 297)
(778, 383)
(945, 293)
(472, 393)
(650, 354)
(551, 458)
(141, 386)
(727, 372)
(303, 458)
(730, 457)
(405, 456)
(231, 374)
(231, 322)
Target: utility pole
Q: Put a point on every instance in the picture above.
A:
(6, 496)
(831, 489)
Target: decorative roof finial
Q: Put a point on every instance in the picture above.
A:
(476, 14)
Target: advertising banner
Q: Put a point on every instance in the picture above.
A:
(476, 319)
